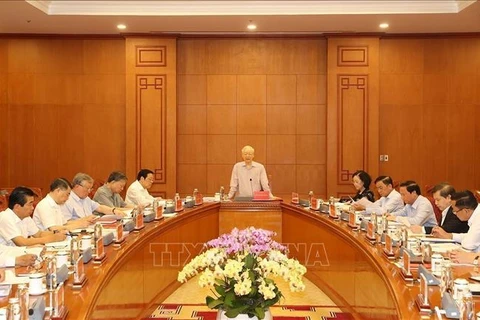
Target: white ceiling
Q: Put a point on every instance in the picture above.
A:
(231, 17)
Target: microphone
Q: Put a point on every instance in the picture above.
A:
(251, 186)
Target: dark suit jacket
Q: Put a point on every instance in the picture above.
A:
(451, 224)
(366, 193)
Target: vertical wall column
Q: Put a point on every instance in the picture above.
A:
(352, 111)
(151, 111)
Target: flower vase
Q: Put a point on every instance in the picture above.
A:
(221, 316)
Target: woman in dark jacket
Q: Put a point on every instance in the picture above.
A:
(361, 181)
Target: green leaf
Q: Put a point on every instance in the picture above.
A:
(229, 298)
(253, 292)
(249, 261)
(214, 304)
(208, 300)
(220, 289)
(233, 312)
(260, 313)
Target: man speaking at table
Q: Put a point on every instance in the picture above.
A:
(248, 176)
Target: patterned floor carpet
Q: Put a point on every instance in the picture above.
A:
(202, 312)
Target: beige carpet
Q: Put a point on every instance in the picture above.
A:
(192, 293)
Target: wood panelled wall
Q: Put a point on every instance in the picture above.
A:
(151, 111)
(62, 109)
(430, 110)
(268, 93)
(352, 117)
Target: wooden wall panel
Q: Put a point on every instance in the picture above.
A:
(21, 170)
(217, 175)
(4, 136)
(269, 93)
(435, 137)
(191, 119)
(281, 119)
(352, 114)
(429, 103)
(221, 119)
(221, 149)
(251, 119)
(151, 111)
(61, 96)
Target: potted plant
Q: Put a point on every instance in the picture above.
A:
(239, 268)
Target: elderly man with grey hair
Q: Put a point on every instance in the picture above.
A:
(79, 205)
(248, 176)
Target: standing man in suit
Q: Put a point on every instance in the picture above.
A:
(442, 194)
(248, 176)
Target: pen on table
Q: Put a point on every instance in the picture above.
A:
(37, 258)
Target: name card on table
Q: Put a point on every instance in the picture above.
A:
(422, 298)
(119, 231)
(120, 235)
(139, 221)
(79, 277)
(198, 199)
(388, 250)
(295, 198)
(352, 220)
(388, 244)
(314, 203)
(406, 263)
(178, 205)
(100, 254)
(332, 211)
(159, 213)
(59, 311)
(371, 231)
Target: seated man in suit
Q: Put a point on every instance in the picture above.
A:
(137, 192)
(248, 176)
(442, 194)
(79, 206)
(49, 212)
(390, 201)
(17, 227)
(466, 208)
(15, 256)
(418, 210)
(109, 193)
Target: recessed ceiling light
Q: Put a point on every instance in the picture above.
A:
(121, 26)
(383, 25)
(251, 26)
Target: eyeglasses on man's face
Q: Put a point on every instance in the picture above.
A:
(86, 188)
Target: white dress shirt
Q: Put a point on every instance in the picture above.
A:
(392, 203)
(138, 195)
(76, 208)
(48, 214)
(246, 180)
(471, 239)
(11, 226)
(8, 255)
(419, 213)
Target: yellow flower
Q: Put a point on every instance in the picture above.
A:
(233, 268)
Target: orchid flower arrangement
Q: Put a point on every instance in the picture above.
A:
(239, 267)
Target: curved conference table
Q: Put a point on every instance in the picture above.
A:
(142, 272)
